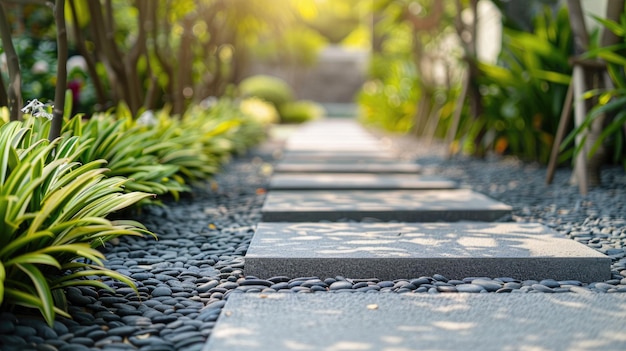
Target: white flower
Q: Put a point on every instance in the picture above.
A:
(209, 102)
(76, 62)
(147, 119)
(32, 105)
(38, 109)
(40, 67)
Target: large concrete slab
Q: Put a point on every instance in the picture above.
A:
(358, 181)
(389, 251)
(343, 156)
(343, 167)
(321, 144)
(404, 206)
(412, 322)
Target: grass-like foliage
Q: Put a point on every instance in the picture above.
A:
(129, 151)
(224, 129)
(53, 213)
(56, 197)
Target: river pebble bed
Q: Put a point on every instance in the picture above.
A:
(185, 277)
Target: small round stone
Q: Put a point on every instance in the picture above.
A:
(440, 278)
(339, 285)
(542, 288)
(161, 291)
(550, 283)
(469, 288)
(447, 289)
(489, 285)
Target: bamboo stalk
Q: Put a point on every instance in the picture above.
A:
(580, 165)
(564, 120)
(458, 109)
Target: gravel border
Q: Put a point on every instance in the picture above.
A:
(185, 277)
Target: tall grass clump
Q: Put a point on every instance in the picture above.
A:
(53, 217)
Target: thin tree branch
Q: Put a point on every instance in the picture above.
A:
(4, 99)
(91, 62)
(14, 94)
(59, 93)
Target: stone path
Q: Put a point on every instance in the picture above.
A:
(387, 205)
(404, 232)
(389, 251)
(412, 322)
(358, 181)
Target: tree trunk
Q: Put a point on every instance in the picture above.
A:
(580, 81)
(166, 66)
(14, 94)
(89, 59)
(4, 99)
(613, 11)
(183, 80)
(467, 35)
(594, 79)
(59, 92)
(103, 27)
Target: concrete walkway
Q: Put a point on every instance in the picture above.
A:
(404, 232)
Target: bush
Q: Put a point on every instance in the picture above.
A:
(388, 100)
(225, 128)
(55, 197)
(130, 151)
(271, 89)
(53, 213)
(260, 110)
(300, 111)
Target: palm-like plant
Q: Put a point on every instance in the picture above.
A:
(610, 101)
(53, 217)
(532, 67)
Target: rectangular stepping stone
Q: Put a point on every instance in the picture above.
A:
(335, 147)
(384, 205)
(343, 156)
(343, 167)
(358, 181)
(389, 251)
(411, 322)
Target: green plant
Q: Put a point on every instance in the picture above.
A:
(130, 150)
(53, 213)
(271, 89)
(609, 101)
(225, 128)
(259, 110)
(524, 93)
(389, 99)
(300, 111)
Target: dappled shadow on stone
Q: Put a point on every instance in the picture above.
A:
(389, 205)
(404, 250)
(327, 321)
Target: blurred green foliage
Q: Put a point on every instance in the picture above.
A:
(300, 111)
(271, 89)
(523, 94)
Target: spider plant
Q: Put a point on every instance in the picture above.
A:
(53, 213)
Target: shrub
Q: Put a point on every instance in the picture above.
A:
(53, 217)
(130, 150)
(300, 111)
(271, 89)
(523, 95)
(388, 100)
(225, 128)
(259, 110)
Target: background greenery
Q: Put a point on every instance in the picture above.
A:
(160, 101)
